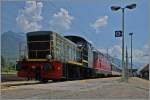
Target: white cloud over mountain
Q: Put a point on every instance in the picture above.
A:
(61, 21)
(114, 51)
(99, 23)
(29, 18)
(139, 55)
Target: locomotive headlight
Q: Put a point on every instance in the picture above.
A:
(49, 57)
(33, 67)
(58, 68)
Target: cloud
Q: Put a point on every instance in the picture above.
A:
(99, 23)
(29, 18)
(139, 55)
(146, 46)
(115, 51)
(61, 21)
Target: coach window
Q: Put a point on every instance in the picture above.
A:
(63, 49)
(72, 53)
(68, 50)
(75, 50)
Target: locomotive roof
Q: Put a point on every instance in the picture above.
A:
(34, 33)
(76, 37)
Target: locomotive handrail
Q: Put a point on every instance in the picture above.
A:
(74, 62)
(38, 41)
(40, 50)
(85, 61)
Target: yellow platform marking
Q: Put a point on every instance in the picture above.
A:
(83, 81)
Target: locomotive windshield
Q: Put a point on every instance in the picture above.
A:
(39, 44)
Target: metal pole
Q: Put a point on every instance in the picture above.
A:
(127, 65)
(131, 56)
(123, 67)
(126, 71)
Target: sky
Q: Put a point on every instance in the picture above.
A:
(92, 19)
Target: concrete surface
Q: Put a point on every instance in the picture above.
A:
(101, 88)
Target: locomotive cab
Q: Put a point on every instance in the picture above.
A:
(40, 64)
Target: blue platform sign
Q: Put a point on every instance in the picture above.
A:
(118, 33)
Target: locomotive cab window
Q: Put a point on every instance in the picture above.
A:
(39, 44)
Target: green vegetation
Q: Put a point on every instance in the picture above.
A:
(8, 69)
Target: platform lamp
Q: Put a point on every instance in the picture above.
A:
(116, 8)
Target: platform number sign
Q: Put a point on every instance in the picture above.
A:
(118, 33)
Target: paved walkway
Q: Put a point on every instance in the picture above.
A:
(102, 88)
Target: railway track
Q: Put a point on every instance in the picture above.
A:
(18, 83)
(11, 77)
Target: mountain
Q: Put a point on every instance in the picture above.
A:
(138, 65)
(10, 42)
(118, 62)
